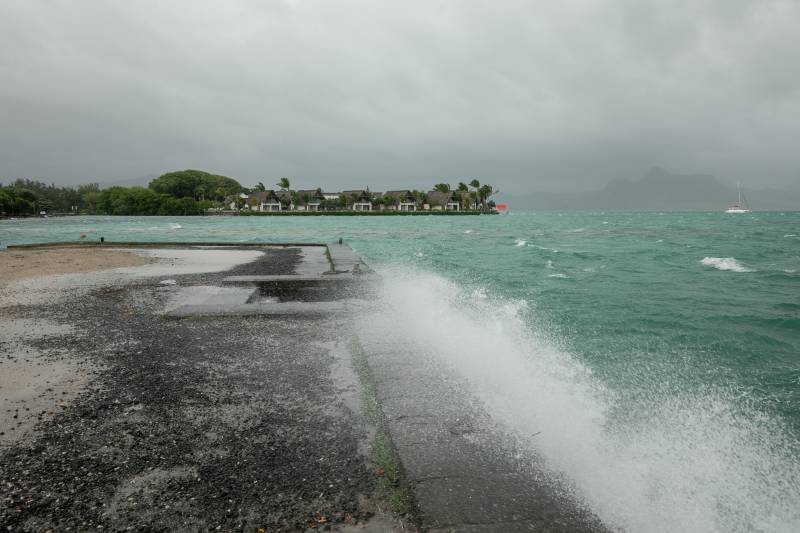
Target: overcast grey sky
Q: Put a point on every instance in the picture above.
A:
(528, 95)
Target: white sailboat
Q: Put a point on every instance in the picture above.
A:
(741, 205)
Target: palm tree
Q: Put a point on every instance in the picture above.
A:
(419, 197)
(442, 187)
(283, 183)
(259, 187)
(462, 187)
(475, 184)
(485, 192)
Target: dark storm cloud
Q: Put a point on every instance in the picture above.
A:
(527, 95)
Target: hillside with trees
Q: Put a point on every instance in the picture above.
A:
(196, 184)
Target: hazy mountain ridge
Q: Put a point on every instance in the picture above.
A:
(663, 191)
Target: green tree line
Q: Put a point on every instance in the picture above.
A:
(185, 192)
(29, 197)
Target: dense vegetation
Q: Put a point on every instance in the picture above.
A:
(141, 201)
(197, 185)
(185, 192)
(28, 197)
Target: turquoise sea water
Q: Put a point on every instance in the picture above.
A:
(684, 328)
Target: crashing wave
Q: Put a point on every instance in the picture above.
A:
(726, 263)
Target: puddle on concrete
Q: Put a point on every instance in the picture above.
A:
(207, 295)
(31, 329)
(49, 290)
(176, 261)
(314, 261)
(33, 384)
(301, 292)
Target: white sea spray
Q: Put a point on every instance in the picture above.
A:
(690, 460)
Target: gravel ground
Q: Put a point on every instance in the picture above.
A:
(208, 424)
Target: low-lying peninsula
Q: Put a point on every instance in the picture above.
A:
(194, 192)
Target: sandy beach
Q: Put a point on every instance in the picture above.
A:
(21, 264)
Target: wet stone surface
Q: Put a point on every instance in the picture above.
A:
(208, 424)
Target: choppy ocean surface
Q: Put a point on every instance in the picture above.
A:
(655, 356)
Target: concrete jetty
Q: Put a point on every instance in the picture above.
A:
(259, 421)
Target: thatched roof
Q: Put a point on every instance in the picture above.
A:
(401, 196)
(440, 198)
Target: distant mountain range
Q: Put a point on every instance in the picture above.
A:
(660, 190)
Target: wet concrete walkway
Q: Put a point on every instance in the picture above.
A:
(193, 424)
(464, 472)
(239, 423)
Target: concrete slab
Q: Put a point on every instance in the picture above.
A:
(465, 472)
(258, 309)
(293, 278)
(207, 295)
(344, 259)
(462, 501)
(315, 261)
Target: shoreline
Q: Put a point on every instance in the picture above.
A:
(279, 214)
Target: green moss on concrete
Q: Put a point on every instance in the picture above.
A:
(391, 484)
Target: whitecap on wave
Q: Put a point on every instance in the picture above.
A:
(520, 242)
(175, 226)
(726, 263)
(557, 275)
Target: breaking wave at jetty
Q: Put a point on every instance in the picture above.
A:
(679, 460)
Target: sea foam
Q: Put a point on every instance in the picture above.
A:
(726, 263)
